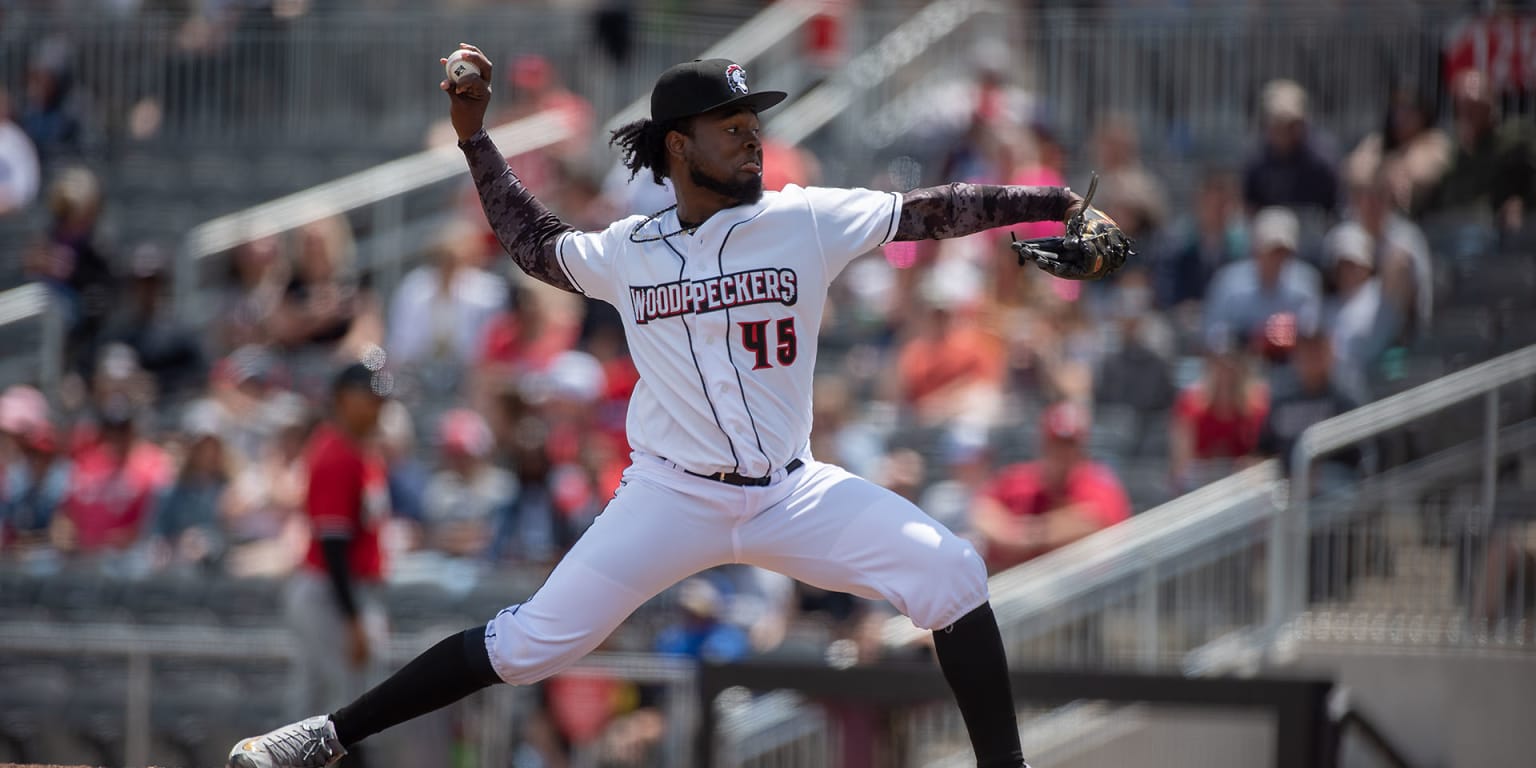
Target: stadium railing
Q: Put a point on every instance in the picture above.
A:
(1325, 539)
(31, 338)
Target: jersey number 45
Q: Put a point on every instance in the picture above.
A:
(754, 336)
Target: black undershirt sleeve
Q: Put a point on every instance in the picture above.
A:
(957, 210)
(334, 550)
(525, 228)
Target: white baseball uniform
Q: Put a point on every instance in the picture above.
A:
(722, 325)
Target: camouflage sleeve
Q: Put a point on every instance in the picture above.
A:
(957, 210)
(526, 229)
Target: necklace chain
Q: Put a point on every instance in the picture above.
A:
(634, 235)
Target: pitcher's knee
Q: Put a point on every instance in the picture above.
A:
(524, 651)
(954, 584)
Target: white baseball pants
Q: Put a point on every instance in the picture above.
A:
(819, 524)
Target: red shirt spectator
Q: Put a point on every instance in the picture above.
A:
(1035, 507)
(1217, 418)
(115, 481)
(348, 496)
(1217, 430)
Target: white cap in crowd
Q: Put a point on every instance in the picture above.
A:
(1349, 242)
(1275, 226)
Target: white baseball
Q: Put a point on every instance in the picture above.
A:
(458, 68)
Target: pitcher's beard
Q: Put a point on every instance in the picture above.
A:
(743, 192)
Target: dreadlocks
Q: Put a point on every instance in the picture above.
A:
(644, 145)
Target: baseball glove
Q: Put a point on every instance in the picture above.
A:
(1092, 248)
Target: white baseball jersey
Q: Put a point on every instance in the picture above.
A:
(722, 324)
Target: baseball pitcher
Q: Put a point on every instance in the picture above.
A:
(722, 295)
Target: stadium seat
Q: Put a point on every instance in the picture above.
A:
(245, 602)
(19, 595)
(166, 601)
(74, 596)
(419, 607)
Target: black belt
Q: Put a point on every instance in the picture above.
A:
(732, 478)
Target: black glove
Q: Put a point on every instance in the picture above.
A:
(1093, 246)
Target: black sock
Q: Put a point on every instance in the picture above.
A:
(454, 668)
(971, 654)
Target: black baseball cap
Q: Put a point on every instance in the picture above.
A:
(703, 85)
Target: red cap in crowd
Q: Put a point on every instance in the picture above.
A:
(1065, 421)
(464, 432)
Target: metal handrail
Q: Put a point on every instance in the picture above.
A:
(1160, 534)
(350, 193)
(1404, 407)
(1289, 542)
(23, 302)
(33, 300)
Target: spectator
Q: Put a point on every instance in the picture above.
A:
(1492, 168)
(333, 604)
(73, 263)
(967, 467)
(441, 310)
(527, 336)
(324, 307)
(1038, 506)
(1244, 295)
(701, 633)
(36, 477)
(166, 349)
(20, 176)
(244, 384)
(1289, 169)
(1217, 419)
(51, 114)
(788, 164)
(1401, 252)
(187, 526)
(1409, 153)
(1214, 239)
(1136, 368)
(1038, 160)
(120, 382)
(531, 528)
(258, 275)
(467, 493)
(629, 194)
(1314, 396)
(537, 88)
(603, 331)
(118, 474)
(839, 436)
(1060, 347)
(264, 519)
(408, 476)
(902, 471)
(1361, 321)
(951, 367)
(1128, 191)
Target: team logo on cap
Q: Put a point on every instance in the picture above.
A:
(737, 77)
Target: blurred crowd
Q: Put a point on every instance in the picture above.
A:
(1271, 297)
